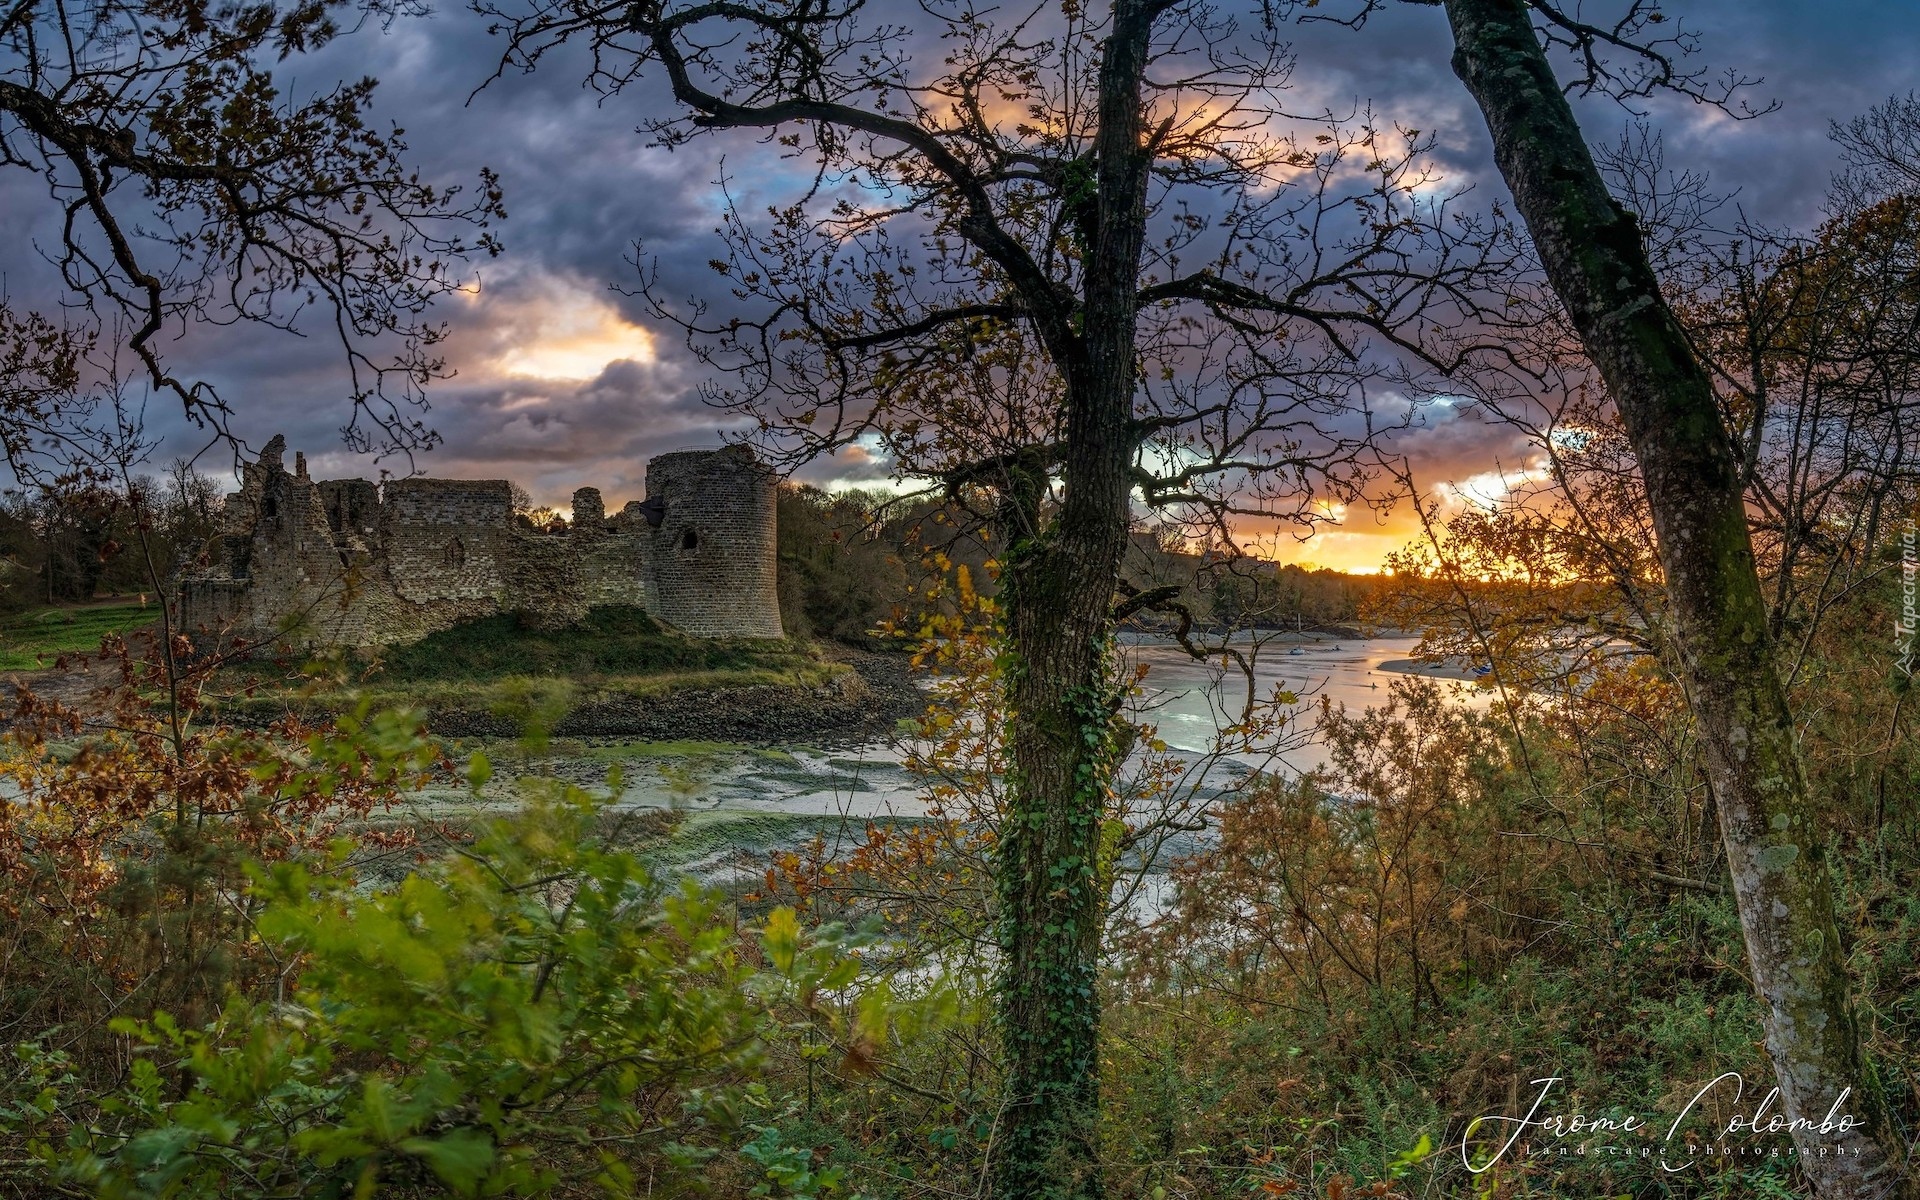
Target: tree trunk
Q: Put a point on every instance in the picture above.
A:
(1058, 598)
(1060, 595)
(1594, 255)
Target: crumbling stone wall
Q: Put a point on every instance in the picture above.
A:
(346, 563)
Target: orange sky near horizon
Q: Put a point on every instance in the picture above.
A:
(1358, 538)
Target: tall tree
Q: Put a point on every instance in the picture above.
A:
(1065, 263)
(1594, 254)
(1809, 340)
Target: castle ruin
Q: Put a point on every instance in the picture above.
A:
(343, 562)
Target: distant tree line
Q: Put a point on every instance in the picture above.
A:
(71, 539)
(853, 561)
(1227, 589)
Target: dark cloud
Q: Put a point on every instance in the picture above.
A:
(582, 186)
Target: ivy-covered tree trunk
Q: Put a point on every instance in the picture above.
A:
(1058, 598)
(1595, 257)
(1059, 624)
(1036, 250)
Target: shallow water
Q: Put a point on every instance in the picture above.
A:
(1188, 701)
(1191, 701)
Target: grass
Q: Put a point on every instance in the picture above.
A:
(32, 640)
(514, 695)
(500, 666)
(611, 641)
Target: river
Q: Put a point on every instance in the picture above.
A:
(744, 797)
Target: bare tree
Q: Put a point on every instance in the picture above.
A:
(189, 189)
(1066, 263)
(1882, 151)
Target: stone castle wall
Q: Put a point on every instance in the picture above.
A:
(717, 565)
(344, 563)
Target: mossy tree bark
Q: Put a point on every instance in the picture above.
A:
(1595, 257)
(1062, 700)
(1058, 634)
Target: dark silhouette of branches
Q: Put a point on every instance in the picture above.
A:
(190, 190)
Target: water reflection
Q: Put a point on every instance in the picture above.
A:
(1190, 700)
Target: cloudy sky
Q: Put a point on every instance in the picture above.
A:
(562, 383)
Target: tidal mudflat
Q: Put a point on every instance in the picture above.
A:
(732, 802)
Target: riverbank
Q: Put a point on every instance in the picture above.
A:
(863, 696)
(619, 676)
(618, 673)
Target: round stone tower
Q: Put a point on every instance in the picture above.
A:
(714, 558)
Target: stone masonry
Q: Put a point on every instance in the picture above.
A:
(343, 562)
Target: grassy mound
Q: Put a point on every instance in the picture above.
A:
(535, 676)
(616, 640)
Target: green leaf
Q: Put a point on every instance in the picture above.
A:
(479, 770)
(377, 1108)
(1407, 1159)
(871, 1012)
(782, 939)
(462, 1158)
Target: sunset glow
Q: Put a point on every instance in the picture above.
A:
(572, 337)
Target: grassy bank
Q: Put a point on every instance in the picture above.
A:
(612, 641)
(500, 666)
(32, 640)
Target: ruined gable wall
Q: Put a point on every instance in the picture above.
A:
(447, 539)
(612, 557)
(352, 507)
(292, 575)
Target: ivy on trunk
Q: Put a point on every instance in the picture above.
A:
(1061, 273)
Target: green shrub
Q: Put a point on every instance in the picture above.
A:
(531, 1013)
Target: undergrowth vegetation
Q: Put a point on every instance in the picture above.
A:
(207, 991)
(532, 1014)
